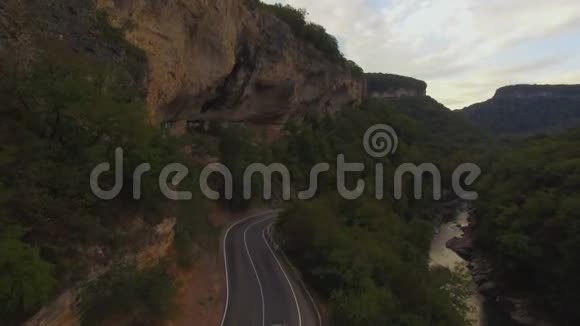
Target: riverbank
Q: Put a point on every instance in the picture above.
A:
(496, 293)
(441, 255)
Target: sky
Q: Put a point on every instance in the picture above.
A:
(463, 49)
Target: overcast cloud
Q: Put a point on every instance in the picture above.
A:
(464, 49)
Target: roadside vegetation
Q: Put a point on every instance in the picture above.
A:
(62, 114)
(137, 297)
(370, 258)
(371, 264)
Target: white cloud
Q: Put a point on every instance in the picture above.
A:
(449, 43)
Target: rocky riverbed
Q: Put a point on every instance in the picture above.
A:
(441, 255)
(499, 304)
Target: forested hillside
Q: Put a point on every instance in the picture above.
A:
(527, 110)
(529, 221)
(369, 257)
(61, 115)
(242, 82)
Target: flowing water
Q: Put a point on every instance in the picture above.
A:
(484, 313)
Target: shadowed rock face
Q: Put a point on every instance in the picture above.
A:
(389, 85)
(528, 109)
(228, 60)
(531, 91)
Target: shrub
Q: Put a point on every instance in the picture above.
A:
(309, 32)
(26, 280)
(193, 227)
(146, 296)
(355, 70)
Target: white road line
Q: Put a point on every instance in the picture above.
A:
(285, 275)
(226, 260)
(310, 297)
(255, 270)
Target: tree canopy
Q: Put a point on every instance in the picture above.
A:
(529, 220)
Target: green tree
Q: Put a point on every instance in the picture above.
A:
(26, 281)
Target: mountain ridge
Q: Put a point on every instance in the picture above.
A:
(538, 90)
(527, 109)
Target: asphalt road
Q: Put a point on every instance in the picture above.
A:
(261, 289)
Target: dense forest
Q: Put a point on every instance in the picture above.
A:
(529, 220)
(526, 213)
(527, 110)
(369, 257)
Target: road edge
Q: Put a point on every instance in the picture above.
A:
(297, 274)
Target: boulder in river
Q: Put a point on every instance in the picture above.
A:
(462, 246)
(488, 289)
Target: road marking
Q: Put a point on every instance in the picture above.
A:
(300, 281)
(226, 260)
(285, 275)
(255, 270)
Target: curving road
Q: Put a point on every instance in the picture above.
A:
(261, 290)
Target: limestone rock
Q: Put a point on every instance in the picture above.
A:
(226, 60)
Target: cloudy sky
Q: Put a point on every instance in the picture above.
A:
(464, 49)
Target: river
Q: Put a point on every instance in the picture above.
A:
(484, 313)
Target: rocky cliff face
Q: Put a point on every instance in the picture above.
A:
(389, 86)
(538, 91)
(401, 92)
(228, 60)
(151, 248)
(203, 60)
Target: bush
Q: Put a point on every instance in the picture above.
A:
(26, 280)
(324, 42)
(136, 59)
(193, 227)
(146, 296)
(309, 32)
(355, 70)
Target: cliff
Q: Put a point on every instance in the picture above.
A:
(150, 248)
(190, 61)
(528, 109)
(229, 60)
(535, 91)
(390, 85)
